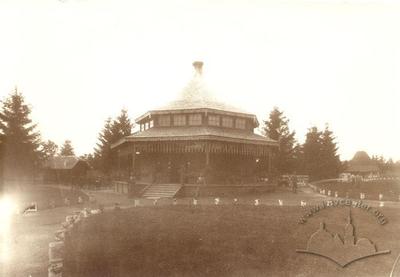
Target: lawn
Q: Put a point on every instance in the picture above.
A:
(44, 196)
(240, 240)
(24, 248)
(389, 188)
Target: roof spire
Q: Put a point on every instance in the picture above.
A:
(198, 66)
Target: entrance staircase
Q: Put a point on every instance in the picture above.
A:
(161, 191)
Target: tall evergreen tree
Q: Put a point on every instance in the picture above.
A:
(112, 131)
(67, 149)
(330, 161)
(122, 126)
(49, 149)
(320, 158)
(277, 128)
(19, 141)
(102, 153)
(312, 154)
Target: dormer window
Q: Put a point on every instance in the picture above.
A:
(240, 123)
(164, 120)
(195, 119)
(179, 120)
(227, 122)
(213, 120)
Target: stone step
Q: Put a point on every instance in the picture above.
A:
(161, 191)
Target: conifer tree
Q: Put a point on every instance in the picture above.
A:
(312, 154)
(67, 149)
(19, 141)
(277, 128)
(112, 131)
(330, 161)
(319, 157)
(49, 149)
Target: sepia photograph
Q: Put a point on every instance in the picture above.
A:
(190, 138)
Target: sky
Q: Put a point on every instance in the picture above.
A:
(78, 62)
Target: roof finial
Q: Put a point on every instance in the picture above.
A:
(198, 66)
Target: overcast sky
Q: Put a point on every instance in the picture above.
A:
(80, 61)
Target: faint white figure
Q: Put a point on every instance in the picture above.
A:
(155, 202)
(362, 196)
(303, 203)
(67, 202)
(136, 202)
(380, 196)
(381, 204)
(329, 193)
(235, 201)
(256, 202)
(216, 201)
(80, 200)
(194, 201)
(336, 194)
(280, 202)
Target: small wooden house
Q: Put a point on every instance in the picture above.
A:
(65, 169)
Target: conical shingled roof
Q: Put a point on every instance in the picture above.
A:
(196, 95)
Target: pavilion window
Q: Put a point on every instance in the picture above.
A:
(146, 125)
(164, 120)
(213, 120)
(179, 120)
(227, 122)
(240, 123)
(195, 119)
(151, 125)
(141, 127)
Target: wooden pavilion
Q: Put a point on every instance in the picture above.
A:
(195, 139)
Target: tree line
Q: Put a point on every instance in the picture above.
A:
(23, 152)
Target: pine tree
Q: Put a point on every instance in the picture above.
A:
(122, 126)
(112, 131)
(48, 149)
(312, 154)
(20, 155)
(67, 149)
(320, 158)
(277, 128)
(102, 153)
(330, 161)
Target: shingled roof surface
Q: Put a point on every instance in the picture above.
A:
(197, 96)
(199, 132)
(62, 162)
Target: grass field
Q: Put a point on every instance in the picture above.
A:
(227, 240)
(43, 196)
(24, 239)
(389, 188)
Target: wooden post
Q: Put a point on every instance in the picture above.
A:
(207, 150)
(133, 160)
(269, 161)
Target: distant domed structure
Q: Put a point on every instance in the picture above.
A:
(361, 157)
(193, 139)
(361, 164)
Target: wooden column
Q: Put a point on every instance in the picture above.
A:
(133, 162)
(269, 161)
(207, 151)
